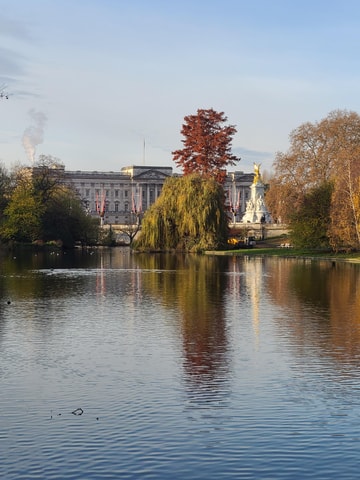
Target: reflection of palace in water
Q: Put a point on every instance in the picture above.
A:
(254, 271)
(246, 285)
(201, 287)
(317, 302)
(325, 319)
(212, 301)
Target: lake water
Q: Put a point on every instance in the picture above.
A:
(121, 366)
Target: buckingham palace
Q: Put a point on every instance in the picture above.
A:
(122, 197)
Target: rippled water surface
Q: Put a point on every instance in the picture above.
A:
(117, 366)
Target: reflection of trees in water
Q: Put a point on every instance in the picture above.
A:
(323, 304)
(37, 286)
(45, 281)
(196, 285)
(53, 274)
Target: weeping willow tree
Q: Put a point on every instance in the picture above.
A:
(189, 215)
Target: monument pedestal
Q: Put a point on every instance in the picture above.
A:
(256, 211)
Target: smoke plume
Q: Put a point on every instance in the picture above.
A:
(34, 134)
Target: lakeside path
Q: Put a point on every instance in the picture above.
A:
(290, 253)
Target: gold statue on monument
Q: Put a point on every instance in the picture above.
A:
(257, 176)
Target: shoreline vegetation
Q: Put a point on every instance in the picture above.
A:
(259, 252)
(290, 253)
(262, 249)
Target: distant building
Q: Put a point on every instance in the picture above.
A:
(122, 197)
(119, 197)
(237, 189)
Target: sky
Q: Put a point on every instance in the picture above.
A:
(104, 84)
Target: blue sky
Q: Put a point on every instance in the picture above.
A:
(91, 80)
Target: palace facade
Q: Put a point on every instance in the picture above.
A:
(122, 197)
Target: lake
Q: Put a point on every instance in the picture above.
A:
(131, 366)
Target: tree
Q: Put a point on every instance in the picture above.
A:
(47, 176)
(5, 187)
(281, 198)
(130, 230)
(189, 215)
(30, 199)
(207, 145)
(325, 151)
(3, 94)
(22, 220)
(42, 208)
(309, 225)
(66, 221)
(344, 229)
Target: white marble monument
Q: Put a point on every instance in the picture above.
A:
(256, 211)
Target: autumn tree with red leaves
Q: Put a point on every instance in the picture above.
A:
(207, 145)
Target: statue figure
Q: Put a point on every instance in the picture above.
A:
(260, 203)
(257, 172)
(249, 205)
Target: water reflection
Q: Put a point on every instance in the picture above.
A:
(322, 304)
(222, 366)
(320, 300)
(195, 286)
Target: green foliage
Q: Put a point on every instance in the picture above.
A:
(22, 215)
(4, 188)
(309, 224)
(66, 221)
(108, 237)
(189, 216)
(41, 208)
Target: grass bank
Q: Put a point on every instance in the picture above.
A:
(266, 251)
